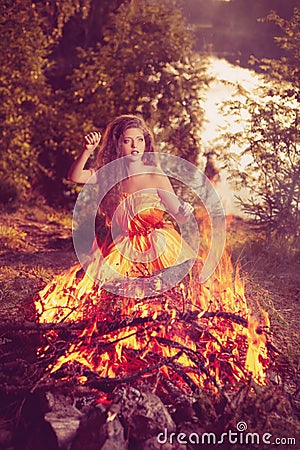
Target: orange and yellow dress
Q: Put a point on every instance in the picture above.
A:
(144, 243)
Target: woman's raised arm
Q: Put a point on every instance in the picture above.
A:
(77, 172)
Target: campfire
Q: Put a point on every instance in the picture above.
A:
(194, 336)
(121, 372)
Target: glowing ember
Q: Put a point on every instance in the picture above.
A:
(197, 335)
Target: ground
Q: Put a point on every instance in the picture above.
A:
(36, 243)
(272, 275)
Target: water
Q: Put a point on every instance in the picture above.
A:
(226, 76)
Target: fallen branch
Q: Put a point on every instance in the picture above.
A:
(191, 315)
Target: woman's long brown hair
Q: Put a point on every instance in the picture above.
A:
(110, 149)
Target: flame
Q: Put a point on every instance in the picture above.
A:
(207, 331)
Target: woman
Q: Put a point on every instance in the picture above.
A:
(128, 136)
(146, 193)
(140, 242)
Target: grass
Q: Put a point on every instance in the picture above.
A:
(61, 218)
(11, 238)
(261, 254)
(35, 244)
(271, 272)
(45, 214)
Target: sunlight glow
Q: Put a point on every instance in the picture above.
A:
(222, 89)
(226, 76)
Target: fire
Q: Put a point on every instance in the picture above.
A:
(204, 335)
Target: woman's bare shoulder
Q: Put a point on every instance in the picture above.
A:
(157, 171)
(160, 179)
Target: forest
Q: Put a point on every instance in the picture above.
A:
(235, 29)
(70, 67)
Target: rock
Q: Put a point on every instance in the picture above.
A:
(33, 432)
(100, 430)
(191, 432)
(144, 415)
(49, 421)
(63, 417)
(153, 444)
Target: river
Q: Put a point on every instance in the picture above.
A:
(222, 89)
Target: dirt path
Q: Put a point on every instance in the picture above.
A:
(34, 245)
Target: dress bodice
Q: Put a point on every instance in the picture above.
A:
(139, 213)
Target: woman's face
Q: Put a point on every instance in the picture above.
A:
(133, 143)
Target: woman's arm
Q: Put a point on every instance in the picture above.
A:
(181, 211)
(77, 172)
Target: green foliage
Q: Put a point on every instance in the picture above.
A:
(271, 140)
(8, 193)
(288, 66)
(70, 67)
(232, 29)
(23, 59)
(11, 238)
(144, 64)
(275, 169)
(57, 13)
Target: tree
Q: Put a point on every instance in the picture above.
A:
(273, 173)
(24, 93)
(141, 61)
(36, 131)
(146, 65)
(232, 29)
(61, 78)
(271, 139)
(288, 66)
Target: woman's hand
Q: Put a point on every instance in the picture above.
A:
(91, 141)
(77, 172)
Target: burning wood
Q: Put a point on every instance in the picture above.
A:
(196, 336)
(170, 362)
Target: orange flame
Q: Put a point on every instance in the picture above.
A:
(208, 329)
